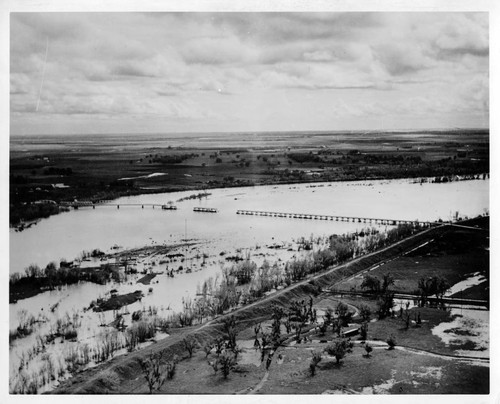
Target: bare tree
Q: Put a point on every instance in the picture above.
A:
(151, 371)
(190, 344)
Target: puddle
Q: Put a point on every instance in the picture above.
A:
(475, 279)
(469, 328)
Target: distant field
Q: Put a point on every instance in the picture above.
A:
(62, 168)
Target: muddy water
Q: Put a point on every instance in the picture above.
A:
(66, 235)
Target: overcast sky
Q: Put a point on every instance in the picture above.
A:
(200, 72)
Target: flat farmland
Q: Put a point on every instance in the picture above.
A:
(63, 168)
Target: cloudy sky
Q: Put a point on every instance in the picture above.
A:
(209, 72)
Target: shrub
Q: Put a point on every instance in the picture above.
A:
(372, 283)
(322, 328)
(391, 341)
(316, 358)
(190, 344)
(343, 313)
(171, 368)
(70, 334)
(207, 348)
(338, 349)
(328, 317)
(226, 363)
(230, 330)
(163, 324)
(385, 304)
(244, 271)
(365, 312)
(363, 331)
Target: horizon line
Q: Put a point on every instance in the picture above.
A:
(323, 131)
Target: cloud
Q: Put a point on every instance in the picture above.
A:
(20, 84)
(180, 64)
(216, 50)
(319, 56)
(267, 29)
(464, 35)
(401, 59)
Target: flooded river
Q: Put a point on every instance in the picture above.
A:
(67, 234)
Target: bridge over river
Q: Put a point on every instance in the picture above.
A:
(337, 218)
(93, 204)
(286, 215)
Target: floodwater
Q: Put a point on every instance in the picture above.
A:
(473, 280)
(467, 326)
(67, 234)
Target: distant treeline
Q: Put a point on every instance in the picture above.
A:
(173, 159)
(58, 171)
(32, 212)
(195, 196)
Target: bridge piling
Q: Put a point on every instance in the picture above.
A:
(348, 219)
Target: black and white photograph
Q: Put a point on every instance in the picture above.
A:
(248, 201)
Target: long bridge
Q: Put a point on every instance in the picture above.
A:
(287, 215)
(337, 218)
(93, 204)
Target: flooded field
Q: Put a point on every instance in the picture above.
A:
(210, 238)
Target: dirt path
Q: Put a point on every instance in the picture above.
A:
(250, 390)
(419, 351)
(469, 227)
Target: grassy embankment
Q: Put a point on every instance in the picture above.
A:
(455, 254)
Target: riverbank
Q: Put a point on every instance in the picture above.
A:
(92, 171)
(120, 375)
